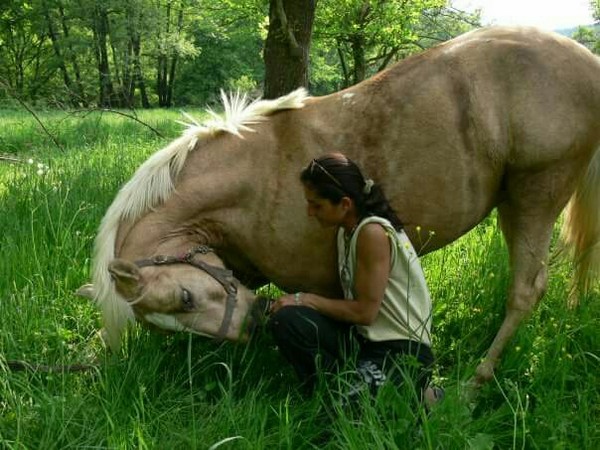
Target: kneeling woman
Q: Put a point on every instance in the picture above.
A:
(386, 306)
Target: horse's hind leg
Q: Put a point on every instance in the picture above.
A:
(527, 219)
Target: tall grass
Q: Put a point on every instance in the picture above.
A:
(182, 391)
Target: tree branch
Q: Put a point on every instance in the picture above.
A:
(343, 63)
(387, 58)
(24, 105)
(11, 159)
(289, 33)
(113, 111)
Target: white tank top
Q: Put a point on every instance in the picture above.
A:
(405, 311)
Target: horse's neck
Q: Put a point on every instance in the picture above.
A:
(207, 192)
(162, 232)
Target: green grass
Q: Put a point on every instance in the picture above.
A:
(187, 392)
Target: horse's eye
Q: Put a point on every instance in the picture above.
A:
(186, 300)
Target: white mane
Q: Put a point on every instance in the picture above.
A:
(152, 185)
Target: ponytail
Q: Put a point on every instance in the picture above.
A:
(377, 204)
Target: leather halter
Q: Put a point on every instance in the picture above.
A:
(223, 276)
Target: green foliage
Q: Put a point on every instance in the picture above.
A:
(180, 391)
(366, 36)
(229, 59)
(180, 52)
(388, 23)
(23, 47)
(588, 36)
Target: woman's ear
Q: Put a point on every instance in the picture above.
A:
(346, 203)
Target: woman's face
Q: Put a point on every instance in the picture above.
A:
(327, 213)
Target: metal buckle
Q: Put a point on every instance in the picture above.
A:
(160, 259)
(189, 256)
(202, 249)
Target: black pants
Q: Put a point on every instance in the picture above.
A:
(312, 342)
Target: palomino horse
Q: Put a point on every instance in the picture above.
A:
(498, 117)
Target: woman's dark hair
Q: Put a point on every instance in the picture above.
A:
(333, 176)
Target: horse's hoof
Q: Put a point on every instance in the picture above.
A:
(469, 392)
(434, 395)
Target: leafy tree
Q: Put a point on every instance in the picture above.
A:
(171, 43)
(71, 48)
(111, 53)
(25, 53)
(367, 35)
(68, 28)
(590, 36)
(229, 61)
(228, 36)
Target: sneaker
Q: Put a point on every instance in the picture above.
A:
(370, 378)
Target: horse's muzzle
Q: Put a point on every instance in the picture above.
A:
(257, 317)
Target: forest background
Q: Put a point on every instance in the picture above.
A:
(164, 53)
(60, 388)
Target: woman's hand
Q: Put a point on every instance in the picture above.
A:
(286, 300)
(370, 280)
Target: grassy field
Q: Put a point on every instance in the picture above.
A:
(188, 392)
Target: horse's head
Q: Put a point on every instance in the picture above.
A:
(191, 292)
(194, 292)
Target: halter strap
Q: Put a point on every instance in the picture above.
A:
(223, 276)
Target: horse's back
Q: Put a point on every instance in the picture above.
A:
(540, 89)
(444, 128)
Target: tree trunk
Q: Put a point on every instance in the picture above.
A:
(117, 77)
(56, 47)
(174, 58)
(134, 23)
(72, 57)
(137, 69)
(345, 73)
(287, 45)
(128, 80)
(162, 63)
(100, 34)
(357, 42)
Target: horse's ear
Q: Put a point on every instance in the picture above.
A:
(86, 291)
(126, 276)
